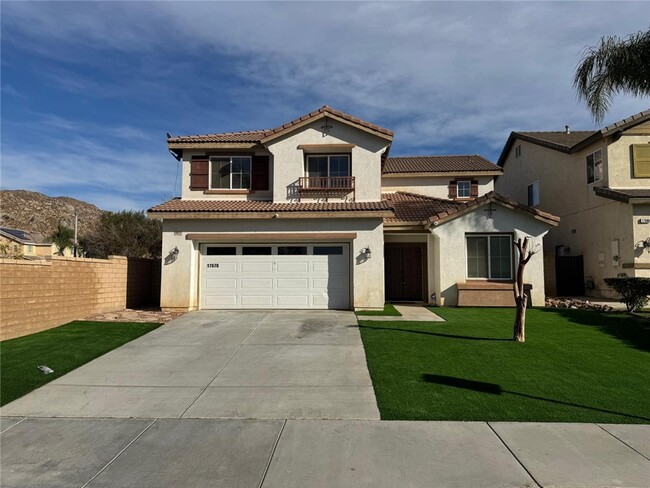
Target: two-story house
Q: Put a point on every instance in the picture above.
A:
(598, 182)
(315, 214)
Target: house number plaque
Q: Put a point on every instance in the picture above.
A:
(213, 265)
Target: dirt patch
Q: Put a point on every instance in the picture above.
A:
(136, 315)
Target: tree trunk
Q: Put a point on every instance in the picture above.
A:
(519, 330)
(521, 299)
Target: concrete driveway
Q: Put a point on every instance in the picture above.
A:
(217, 364)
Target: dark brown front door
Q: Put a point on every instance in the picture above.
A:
(403, 267)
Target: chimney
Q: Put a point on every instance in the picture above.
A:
(567, 129)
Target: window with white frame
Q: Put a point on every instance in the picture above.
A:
(328, 165)
(230, 172)
(533, 194)
(595, 166)
(489, 256)
(463, 189)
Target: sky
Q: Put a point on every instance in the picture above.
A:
(90, 89)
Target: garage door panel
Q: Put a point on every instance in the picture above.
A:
(221, 284)
(292, 301)
(292, 267)
(219, 301)
(251, 301)
(256, 283)
(223, 267)
(256, 267)
(295, 283)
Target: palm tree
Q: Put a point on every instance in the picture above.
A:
(62, 237)
(615, 65)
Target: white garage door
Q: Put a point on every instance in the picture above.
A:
(290, 276)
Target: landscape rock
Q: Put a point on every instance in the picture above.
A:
(574, 303)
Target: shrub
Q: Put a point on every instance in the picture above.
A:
(634, 291)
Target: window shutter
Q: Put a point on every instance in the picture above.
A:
(474, 191)
(260, 173)
(453, 193)
(641, 157)
(199, 173)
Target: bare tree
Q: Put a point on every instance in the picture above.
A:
(521, 298)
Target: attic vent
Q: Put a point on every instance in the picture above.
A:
(567, 129)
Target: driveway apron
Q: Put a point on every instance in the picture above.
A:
(221, 364)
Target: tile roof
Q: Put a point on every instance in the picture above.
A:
(622, 195)
(435, 164)
(242, 206)
(411, 207)
(575, 140)
(259, 135)
(463, 207)
(557, 140)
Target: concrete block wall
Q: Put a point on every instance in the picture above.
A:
(39, 295)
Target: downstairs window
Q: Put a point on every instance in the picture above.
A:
(489, 256)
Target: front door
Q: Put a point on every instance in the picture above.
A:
(403, 267)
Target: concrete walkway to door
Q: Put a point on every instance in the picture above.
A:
(219, 364)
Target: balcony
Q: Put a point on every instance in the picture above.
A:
(326, 184)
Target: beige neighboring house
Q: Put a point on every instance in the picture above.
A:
(30, 245)
(598, 182)
(314, 214)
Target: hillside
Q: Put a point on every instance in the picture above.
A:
(29, 210)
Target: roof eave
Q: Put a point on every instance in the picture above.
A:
(309, 120)
(193, 215)
(494, 172)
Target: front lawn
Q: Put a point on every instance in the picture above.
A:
(62, 349)
(575, 366)
(388, 311)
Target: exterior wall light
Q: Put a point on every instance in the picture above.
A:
(367, 252)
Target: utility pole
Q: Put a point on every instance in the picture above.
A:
(76, 244)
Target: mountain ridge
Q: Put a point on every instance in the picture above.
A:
(35, 211)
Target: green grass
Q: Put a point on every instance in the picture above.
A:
(388, 311)
(575, 366)
(62, 349)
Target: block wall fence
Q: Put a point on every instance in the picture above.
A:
(39, 295)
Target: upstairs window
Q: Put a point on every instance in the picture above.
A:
(595, 166)
(641, 160)
(489, 256)
(230, 172)
(328, 165)
(533, 194)
(464, 189)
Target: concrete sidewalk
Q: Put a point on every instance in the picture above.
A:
(410, 313)
(166, 453)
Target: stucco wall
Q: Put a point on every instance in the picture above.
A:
(433, 186)
(365, 160)
(619, 153)
(39, 295)
(180, 275)
(450, 249)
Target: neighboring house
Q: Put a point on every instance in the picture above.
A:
(16, 242)
(314, 214)
(598, 182)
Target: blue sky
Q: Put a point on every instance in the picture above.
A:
(89, 90)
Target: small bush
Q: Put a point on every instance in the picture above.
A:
(634, 291)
